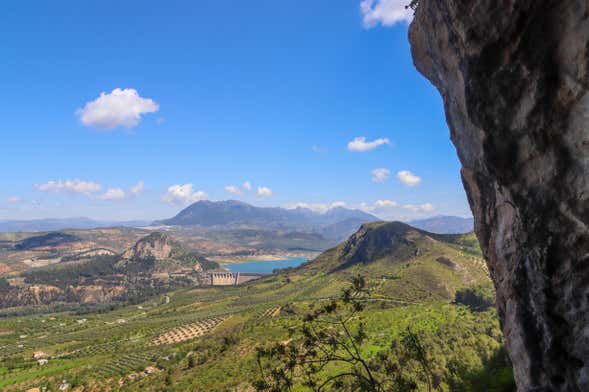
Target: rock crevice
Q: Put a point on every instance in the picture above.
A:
(513, 76)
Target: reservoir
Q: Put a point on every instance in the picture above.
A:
(265, 267)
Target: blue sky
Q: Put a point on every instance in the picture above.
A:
(199, 96)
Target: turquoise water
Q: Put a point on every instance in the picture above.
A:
(265, 267)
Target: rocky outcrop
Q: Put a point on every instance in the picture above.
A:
(513, 76)
(158, 252)
(157, 245)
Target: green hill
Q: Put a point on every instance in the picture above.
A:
(411, 264)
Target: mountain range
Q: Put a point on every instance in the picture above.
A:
(337, 223)
(238, 215)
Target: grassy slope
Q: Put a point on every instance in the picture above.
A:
(109, 347)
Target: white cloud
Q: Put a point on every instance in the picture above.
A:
(380, 175)
(121, 107)
(317, 207)
(137, 189)
(235, 190)
(426, 207)
(120, 194)
(408, 178)
(359, 144)
(299, 204)
(90, 189)
(76, 186)
(183, 194)
(112, 194)
(12, 199)
(382, 208)
(386, 203)
(366, 207)
(385, 12)
(411, 207)
(264, 191)
(392, 210)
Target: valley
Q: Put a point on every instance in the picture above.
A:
(207, 338)
(225, 231)
(290, 196)
(120, 264)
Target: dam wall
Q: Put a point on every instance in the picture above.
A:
(227, 278)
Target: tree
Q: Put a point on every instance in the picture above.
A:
(328, 354)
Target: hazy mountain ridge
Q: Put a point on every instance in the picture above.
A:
(444, 224)
(52, 224)
(340, 231)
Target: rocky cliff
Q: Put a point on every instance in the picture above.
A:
(47, 294)
(157, 245)
(167, 255)
(513, 76)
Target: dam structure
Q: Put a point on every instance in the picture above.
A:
(227, 278)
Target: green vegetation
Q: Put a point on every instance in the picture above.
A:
(49, 239)
(403, 328)
(327, 352)
(333, 350)
(209, 265)
(63, 275)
